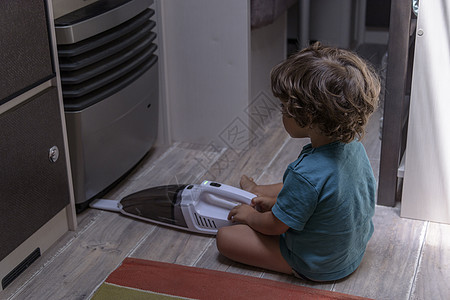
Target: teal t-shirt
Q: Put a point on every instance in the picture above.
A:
(327, 200)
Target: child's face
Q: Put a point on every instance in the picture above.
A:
(294, 129)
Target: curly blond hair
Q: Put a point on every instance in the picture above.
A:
(331, 88)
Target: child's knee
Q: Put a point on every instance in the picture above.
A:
(224, 239)
(220, 238)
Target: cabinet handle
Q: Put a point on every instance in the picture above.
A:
(53, 154)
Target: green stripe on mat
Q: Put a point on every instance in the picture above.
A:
(109, 291)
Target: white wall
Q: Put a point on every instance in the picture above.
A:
(215, 71)
(206, 45)
(268, 48)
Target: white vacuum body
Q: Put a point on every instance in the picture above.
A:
(201, 208)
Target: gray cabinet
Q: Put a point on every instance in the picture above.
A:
(25, 54)
(36, 197)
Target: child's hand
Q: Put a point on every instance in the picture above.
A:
(263, 203)
(240, 213)
(263, 222)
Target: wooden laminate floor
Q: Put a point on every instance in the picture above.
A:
(405, 259)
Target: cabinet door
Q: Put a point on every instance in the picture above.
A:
(426, 185)
(25, 57)
(33, 187)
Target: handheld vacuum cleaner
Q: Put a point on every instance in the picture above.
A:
(201, 208)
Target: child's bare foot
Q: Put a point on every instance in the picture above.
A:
(247, 183)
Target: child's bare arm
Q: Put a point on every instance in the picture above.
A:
(263, 222)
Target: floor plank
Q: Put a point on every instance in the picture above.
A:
(212, 259)
(387, 269)
(173, 246)
(328, 286)
(253, 161)
(288, 153)
(89, 259)
(433, 273)
(33, 272)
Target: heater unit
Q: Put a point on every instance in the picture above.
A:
(109, 76)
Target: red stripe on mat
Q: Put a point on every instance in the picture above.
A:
(199, 283)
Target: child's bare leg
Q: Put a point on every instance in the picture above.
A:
(268, 190)
(242, 244)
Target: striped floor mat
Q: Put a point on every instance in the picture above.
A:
(144, 279)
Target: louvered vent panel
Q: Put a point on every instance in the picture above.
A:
(204, 222)
(97, 67)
